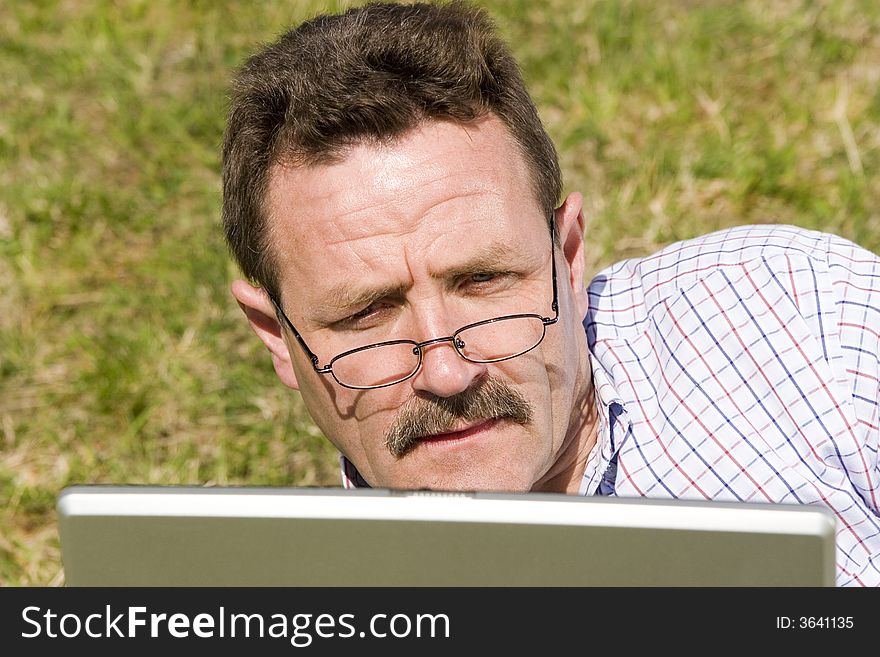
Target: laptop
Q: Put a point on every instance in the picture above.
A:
(191, 536)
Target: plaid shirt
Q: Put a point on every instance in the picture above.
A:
(742, 366)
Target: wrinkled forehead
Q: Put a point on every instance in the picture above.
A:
(435, 188)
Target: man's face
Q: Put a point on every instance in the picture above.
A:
(413, 240)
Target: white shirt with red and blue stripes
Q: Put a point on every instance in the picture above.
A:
(744, 366)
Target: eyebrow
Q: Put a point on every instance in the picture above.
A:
(348, 296)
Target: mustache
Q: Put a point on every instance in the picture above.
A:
(489, 399)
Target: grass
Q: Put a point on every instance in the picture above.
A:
(124, 359)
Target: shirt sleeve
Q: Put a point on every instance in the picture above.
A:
(855, 281)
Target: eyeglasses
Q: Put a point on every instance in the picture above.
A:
(388, 363)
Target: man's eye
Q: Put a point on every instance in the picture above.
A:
(366, 312)
(368, 315)
(488, 283)
(486, 280)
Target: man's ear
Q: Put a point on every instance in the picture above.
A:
(571, 225)
(260, 312)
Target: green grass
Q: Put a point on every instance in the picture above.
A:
(124, 359)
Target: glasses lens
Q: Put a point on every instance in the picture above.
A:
(500, 339)
(381, 365)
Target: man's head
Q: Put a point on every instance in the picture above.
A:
(386, 178)
(367, 76)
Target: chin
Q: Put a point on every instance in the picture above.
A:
(467, 480)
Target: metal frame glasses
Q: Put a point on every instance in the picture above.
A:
(418, 347)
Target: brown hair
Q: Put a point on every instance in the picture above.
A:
(369, 74)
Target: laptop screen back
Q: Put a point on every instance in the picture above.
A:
(181, 536)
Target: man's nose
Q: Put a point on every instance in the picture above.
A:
(444, 372)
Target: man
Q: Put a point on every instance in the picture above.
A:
(389, 188)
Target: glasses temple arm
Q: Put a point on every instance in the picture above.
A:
(302, 343)
(555, 305)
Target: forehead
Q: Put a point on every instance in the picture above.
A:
(427, 195)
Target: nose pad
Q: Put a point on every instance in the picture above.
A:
(444, 372)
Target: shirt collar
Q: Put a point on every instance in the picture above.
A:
(611, 425)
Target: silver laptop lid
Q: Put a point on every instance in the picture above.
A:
(184, 536)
